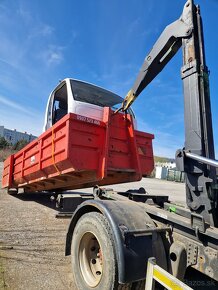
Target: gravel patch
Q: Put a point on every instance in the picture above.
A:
(32, 240)
(32, 244)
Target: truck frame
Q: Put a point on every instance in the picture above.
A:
(111, 237)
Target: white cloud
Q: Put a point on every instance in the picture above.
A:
(23, 63)
(15, 116)
(24, 14)
(46, 30)
(21, 121)
(24, 37)
(53, 55)
(14, 105)
(41, 30)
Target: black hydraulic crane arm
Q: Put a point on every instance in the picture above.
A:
(201, 181)
(164, 49)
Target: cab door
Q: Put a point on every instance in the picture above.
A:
(57, 106)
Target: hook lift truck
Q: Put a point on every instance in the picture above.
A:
(110, 241)
(112, 236)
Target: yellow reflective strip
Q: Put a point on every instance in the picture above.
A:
(171, 284)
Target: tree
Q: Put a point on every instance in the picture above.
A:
(163, 159)
(20, 144)
(4, 143)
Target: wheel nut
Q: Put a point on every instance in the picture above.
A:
(98, 273)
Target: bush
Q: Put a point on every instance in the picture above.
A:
(20, 144)
(4, 153)
(6, 149)
(4, 143)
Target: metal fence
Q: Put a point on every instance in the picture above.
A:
(175, 175)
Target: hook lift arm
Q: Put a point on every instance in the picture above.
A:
(201, 181)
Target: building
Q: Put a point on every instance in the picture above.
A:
(162, 169)
(12, 136)
(168, 170)
(169, 165)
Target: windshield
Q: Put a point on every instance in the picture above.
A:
(91, 94)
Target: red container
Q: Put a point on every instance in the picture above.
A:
(79, 152)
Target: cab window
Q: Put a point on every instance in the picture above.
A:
(60, 106)
(88, 93)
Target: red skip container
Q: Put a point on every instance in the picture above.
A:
(79, 152)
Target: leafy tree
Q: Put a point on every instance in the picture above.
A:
(4, 143)
(163, 159)
(20, 144)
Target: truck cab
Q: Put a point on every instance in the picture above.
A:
(75, 96)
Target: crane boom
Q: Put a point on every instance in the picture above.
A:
(162, 52)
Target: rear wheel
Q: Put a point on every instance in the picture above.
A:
(93, 256)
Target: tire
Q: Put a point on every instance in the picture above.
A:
(94, 263)
(12, 191)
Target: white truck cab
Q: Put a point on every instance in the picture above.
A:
(75, 96)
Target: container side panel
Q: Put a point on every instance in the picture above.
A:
(121, 155)
(86, 141)
(145, 151)
(7, 172)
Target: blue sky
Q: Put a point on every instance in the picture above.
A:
(102, 42)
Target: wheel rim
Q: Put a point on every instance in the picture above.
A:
(90, 259)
